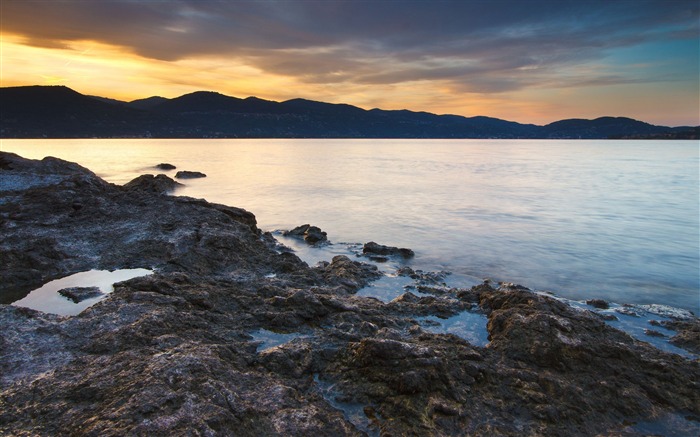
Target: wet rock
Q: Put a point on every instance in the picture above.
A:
(184, 174)
(160, 184)
(653, 333)
(373, 248)
(79, 294)
(352, 274)
(165, 166)
(310, 234)
(598, 303)
(424, 278)
(688, 333)
(173, 353)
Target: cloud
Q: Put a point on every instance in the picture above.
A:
(478, 46)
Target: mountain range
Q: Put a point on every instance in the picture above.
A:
(60, 112)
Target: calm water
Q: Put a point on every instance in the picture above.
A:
(617, 220)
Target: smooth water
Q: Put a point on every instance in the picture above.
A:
(617, 220)
(47, 299)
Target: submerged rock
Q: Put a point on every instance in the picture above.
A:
(165, 166)
(175, 353)
(79, 294)
(183, 174)
(379, 249)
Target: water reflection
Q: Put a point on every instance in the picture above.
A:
(47, 299)
(618, 218)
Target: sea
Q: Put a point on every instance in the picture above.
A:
(581, 219)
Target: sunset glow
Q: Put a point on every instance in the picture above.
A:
(535, 65)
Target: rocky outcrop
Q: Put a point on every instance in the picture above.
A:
(175, 353)
(183, 174)
(373, 248)
(160, 184)
(165, 166)
(310, 234)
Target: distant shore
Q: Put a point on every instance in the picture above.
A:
(60, 112)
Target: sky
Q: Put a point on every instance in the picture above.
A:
(530, 61)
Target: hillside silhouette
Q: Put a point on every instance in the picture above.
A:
(60, 112)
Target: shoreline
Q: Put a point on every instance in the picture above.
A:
(174, 351)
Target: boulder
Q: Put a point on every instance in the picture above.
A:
(165, 166)
(598, 303)
(310, 234)
(160, 184)
(182, 174)
(373, 248)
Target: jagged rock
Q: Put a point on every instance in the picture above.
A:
(79, 294)
(173, 353)
(378, 249)
(159, 184)
(183, 174)
(310, 234)
(598, 303)
(350, 273)
(688, 333)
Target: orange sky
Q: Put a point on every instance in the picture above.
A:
(652, 77)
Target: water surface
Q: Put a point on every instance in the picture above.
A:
(617, 220)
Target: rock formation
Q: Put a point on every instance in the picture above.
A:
(310, 234)
(183, 174)
(79, 294)
(373, 248)
(175, 353)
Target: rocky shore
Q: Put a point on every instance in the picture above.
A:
(183, 351)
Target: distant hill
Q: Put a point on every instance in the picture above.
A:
(60, 112)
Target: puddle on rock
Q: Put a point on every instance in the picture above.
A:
(270, 339)
(354, 412)
(47, 299)
(468, 325)
(389, 287)
(666, 425)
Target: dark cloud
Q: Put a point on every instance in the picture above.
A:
(487, 46)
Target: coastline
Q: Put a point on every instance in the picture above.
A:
(175, 351)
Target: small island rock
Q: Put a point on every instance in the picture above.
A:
(598, 303)
(159, 184)
(165, 166)
(310, 234)
(379, 249)
(189, 174)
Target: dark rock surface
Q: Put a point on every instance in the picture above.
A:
(598, 303)
(373, 248)
(310, 234)
(165, 166)
(183, 174)
(79, 294)
(160, 184)
(173, 353)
